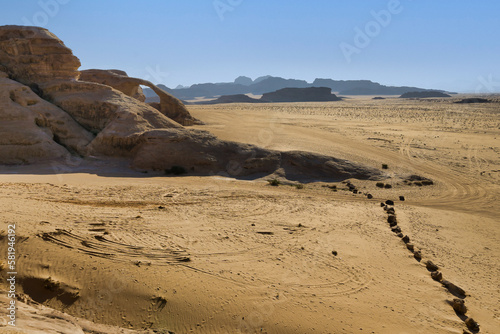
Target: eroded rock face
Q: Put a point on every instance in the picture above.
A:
(33, 129)
(169, 105)
(116, 119)
(34, 55)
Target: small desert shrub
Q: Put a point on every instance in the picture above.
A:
(274, 182)
(299, 186)
(176, 170)
(380, 184)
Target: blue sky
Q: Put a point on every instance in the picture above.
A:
(452, 45)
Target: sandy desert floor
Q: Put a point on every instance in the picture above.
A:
(141, 252)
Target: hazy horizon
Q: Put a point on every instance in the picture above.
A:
(396, 43)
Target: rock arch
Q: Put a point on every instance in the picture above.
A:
(169, 105)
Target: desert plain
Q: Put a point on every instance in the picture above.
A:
(103, 248)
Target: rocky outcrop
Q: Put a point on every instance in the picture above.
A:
(47, 114)
(201, 153)
(33, 129)
(310, 94)
(114, 118)
(424, 94)
(473, 100)
(169, 105)
(33, 55)
(238, 98)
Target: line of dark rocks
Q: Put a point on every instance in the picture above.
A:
(458, 303)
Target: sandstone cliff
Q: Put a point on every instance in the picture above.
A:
(48, 112)
(33, 129)
(33, 55)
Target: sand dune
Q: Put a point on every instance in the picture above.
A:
(146, 252)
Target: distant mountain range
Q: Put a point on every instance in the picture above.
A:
(267, 84)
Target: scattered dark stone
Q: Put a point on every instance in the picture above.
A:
(265, 233)
(401, 198)
(410, 247)
(334, 253)
(472, 325)
(406, 239)
(382, 204)
(385, 166)
(389, 202)
(355, 191)
(421, 181)
(437, 275)
(391, 218)
(253, 224)
(380, 184)
(431, 266)
(161, 207)
(453, 289)
(369, 196)
(400, 234)
(414, 177)
(417, 255)
(459, 306)
(391, 211)
(393, 224)
(396, 229)
(388, 186)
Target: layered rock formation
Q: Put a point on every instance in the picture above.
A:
(33, 129)
(46, 113)
(32, 55)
